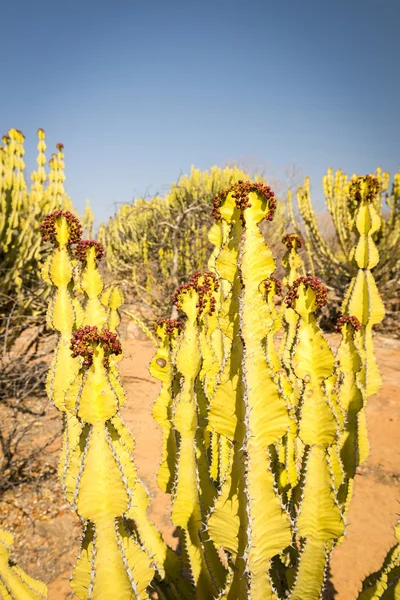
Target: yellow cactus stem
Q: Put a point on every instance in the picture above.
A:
(248, 520)
(102, 480)
(87, 220)
(362, 299)
(97, 446)
(353, 441)
(193, 493)
(292, 444)
(113, 299)
(385, 583)
(292, 262)
(63, 230)
(319, 520)
(119, 546)
(89, 253)
(162, 368)
(15, 584)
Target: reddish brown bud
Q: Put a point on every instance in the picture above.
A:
(291, 240)
(83, 247)
(347, 320)
(315, 284)
(272, 284)
(240, 192)
(85, 339)
(364, 188)
(48, 228)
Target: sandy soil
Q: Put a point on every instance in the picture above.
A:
(374, 510)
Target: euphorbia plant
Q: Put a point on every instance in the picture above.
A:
(261, 441)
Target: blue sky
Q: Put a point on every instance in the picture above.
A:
(140, 91)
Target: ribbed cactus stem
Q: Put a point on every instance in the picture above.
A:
(15, 584)
(162, 368)
(353, 439)
(193, 492)
(362, 299)
(248, 520)
(319, 519)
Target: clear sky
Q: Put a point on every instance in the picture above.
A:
(139, 91)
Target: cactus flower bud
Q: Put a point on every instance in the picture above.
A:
(48, 227)
(86, 338)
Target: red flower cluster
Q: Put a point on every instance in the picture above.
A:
(315, 284)
(170, 325)
(84, 245)
(84, 340)
(241, 191)
(368, 191)
(291, 240)
(272, 283)
(48, 228)
(344, 319)
(204, 290)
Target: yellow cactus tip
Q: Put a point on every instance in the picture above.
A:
(321, 294)
(48, 227)
(41, 134)
(204, 285)
(240, 192)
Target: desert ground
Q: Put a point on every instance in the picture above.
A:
(47, 532)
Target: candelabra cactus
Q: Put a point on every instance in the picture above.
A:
(260, 442)
(331, 259)
(98, 446)
(286, 425)
(362, 299)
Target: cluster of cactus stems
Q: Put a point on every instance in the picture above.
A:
(21, 213)
(260, 440)
(334, 261)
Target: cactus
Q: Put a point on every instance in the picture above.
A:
(284, 429)
(15, 584)
(260, 441)
(97, 446)
(165, 239)
(331, 259)
(385, 583)
(23, 296)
